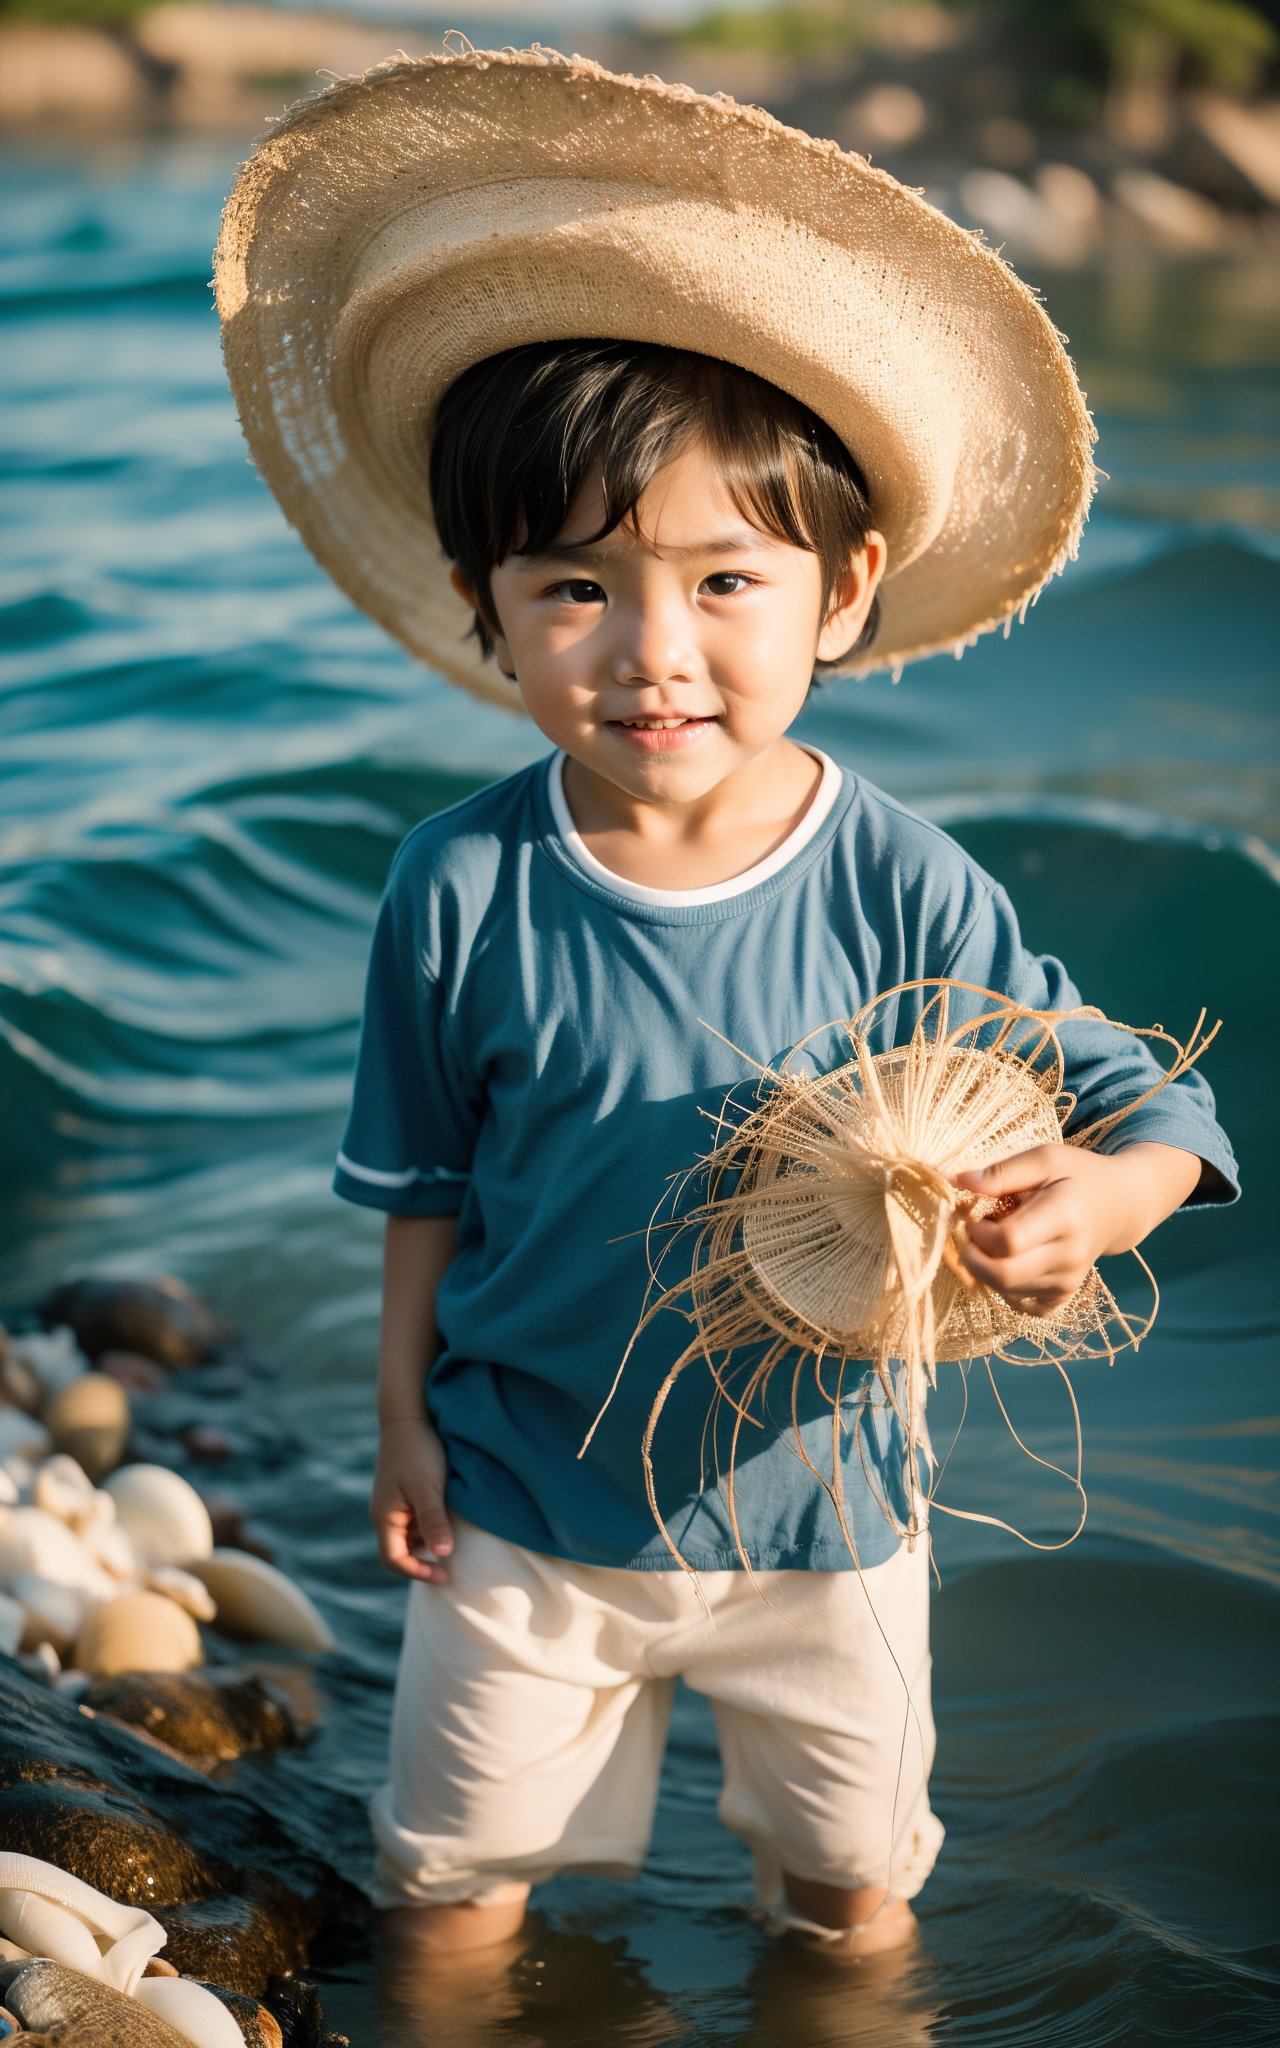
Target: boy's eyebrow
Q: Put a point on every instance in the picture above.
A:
(592, 554)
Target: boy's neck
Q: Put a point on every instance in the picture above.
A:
(694, 845)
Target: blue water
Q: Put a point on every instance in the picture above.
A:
(206, 760)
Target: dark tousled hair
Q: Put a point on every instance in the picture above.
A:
(517, 436)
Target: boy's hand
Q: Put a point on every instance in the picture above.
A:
(406, 1505)
(1073, 1208)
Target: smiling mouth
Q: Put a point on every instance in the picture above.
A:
(661, 724)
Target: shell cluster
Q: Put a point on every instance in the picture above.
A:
(79, 1966)
(106, 1567)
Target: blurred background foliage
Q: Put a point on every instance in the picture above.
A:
(1104, 47)
(1087, 59)
(1099, 86)
(107, 14)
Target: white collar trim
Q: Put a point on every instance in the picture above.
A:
(716, 892)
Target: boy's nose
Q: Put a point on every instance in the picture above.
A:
(653, 644)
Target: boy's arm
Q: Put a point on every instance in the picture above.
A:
(407, 1501)
(1073, 1208)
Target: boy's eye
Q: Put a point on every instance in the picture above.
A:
(717, 584)
(577, 591)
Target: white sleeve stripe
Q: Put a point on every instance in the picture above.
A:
(378, 1179)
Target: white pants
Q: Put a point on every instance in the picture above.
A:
(531, 1711)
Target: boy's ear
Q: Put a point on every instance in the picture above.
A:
(501, 652)
(844, 623)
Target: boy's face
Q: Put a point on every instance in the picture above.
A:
(667, 658)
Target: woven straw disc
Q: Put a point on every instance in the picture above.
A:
(815, 1226)
(394, 229)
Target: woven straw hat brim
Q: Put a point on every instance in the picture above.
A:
(396, 228)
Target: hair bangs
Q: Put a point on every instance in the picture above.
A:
(520, 435)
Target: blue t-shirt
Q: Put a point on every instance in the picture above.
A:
(535, 1057)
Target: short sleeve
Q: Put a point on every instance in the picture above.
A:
(1103, 1067)
(411, 1132)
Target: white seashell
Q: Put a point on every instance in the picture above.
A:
(32, 1540)
(165, 1516)
(22, 1435)
(138, 1632)
(10, 1952)
(18, 1383)
(22, 1472)
(43, 1663)
(190, 1592)
(90, 1418)
(64, 1489)
(13, 1619)
(115, 1550)
(55, 1613)
(126, 1936)
(35, 1923)
(255, 1599)
(101, 1513)
(190, 2010)
(53, 1355)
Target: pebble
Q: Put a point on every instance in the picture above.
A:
(206, 1440)
(136, 1374)
(163, 1319)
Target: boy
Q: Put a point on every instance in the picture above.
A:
(655, 548)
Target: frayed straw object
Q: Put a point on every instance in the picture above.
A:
(831, 1229)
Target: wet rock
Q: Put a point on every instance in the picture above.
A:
(220, 1412)
(70, 1817)
(296, 2006)
(75, 2011)
(205, 1714)
(130, 1819)
(238, 1940)
(162, 1319)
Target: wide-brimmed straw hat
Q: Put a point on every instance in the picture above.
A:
(396, 228)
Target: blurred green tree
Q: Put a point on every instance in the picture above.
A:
(105, 14)
(1121, 61)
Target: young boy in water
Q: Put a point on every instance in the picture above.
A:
(657, 551)
(660, 550)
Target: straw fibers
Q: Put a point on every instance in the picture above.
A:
(830, 1234)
